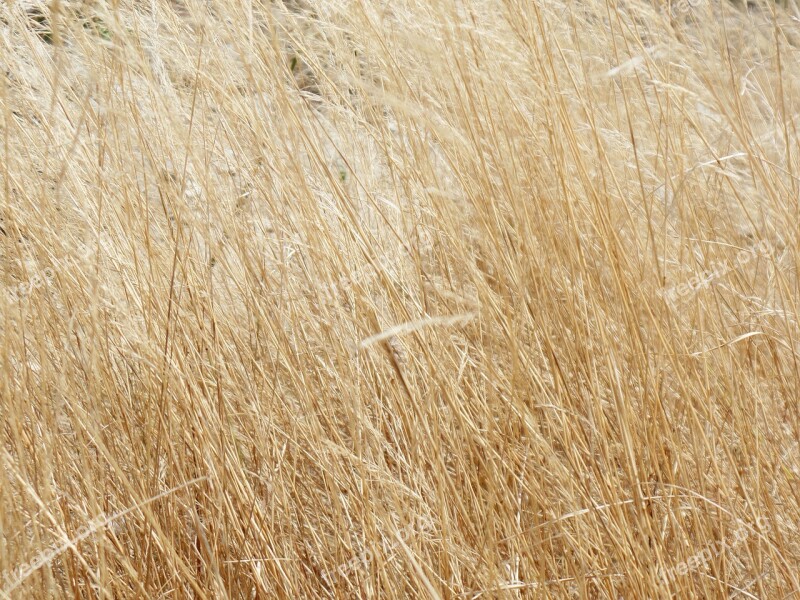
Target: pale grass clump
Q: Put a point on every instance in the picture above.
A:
(366, 299)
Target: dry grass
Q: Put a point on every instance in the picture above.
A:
(384, 300)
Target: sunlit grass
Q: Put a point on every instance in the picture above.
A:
(414, 299)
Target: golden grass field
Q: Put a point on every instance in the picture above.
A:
(447, 299)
